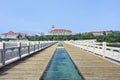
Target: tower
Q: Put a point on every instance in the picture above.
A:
(53, 27)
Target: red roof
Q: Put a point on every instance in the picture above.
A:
(10, 33)
(61, 30)
(14, 33)
(102, 31)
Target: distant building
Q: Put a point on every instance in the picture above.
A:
(55, 31)
(40, 34)
(13, 35)
(98, 33)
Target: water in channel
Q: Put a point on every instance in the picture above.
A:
(61, 67)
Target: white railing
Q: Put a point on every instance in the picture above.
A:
(12, 51)
(98, 48)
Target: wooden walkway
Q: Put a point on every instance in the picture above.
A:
(30, 68)
(93, 67)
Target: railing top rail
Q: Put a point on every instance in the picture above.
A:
(113, 48)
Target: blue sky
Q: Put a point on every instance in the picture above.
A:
(32, 16)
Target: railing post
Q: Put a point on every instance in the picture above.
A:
(94, 44)
(28, 44)
(112, 52)
(3, 54)
(34, 46)
(87, 45)
(19, 51)
(45, 44)
(119, 55)
(39, 45)
(104, 48)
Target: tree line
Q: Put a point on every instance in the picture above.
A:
(112, 37)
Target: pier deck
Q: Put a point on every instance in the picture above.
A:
(93, 67)
(30, 68)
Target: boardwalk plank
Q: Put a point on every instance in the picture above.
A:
(93, 67)
(30, 68)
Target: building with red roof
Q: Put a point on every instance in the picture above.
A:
(98, 33)
(55, 31)
(13, 35)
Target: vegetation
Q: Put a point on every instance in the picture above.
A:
(62, 37)
(114, 37)
(111, 38)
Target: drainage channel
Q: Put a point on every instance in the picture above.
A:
(61, 67)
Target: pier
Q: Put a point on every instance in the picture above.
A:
(90, 65)
(28, 68)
